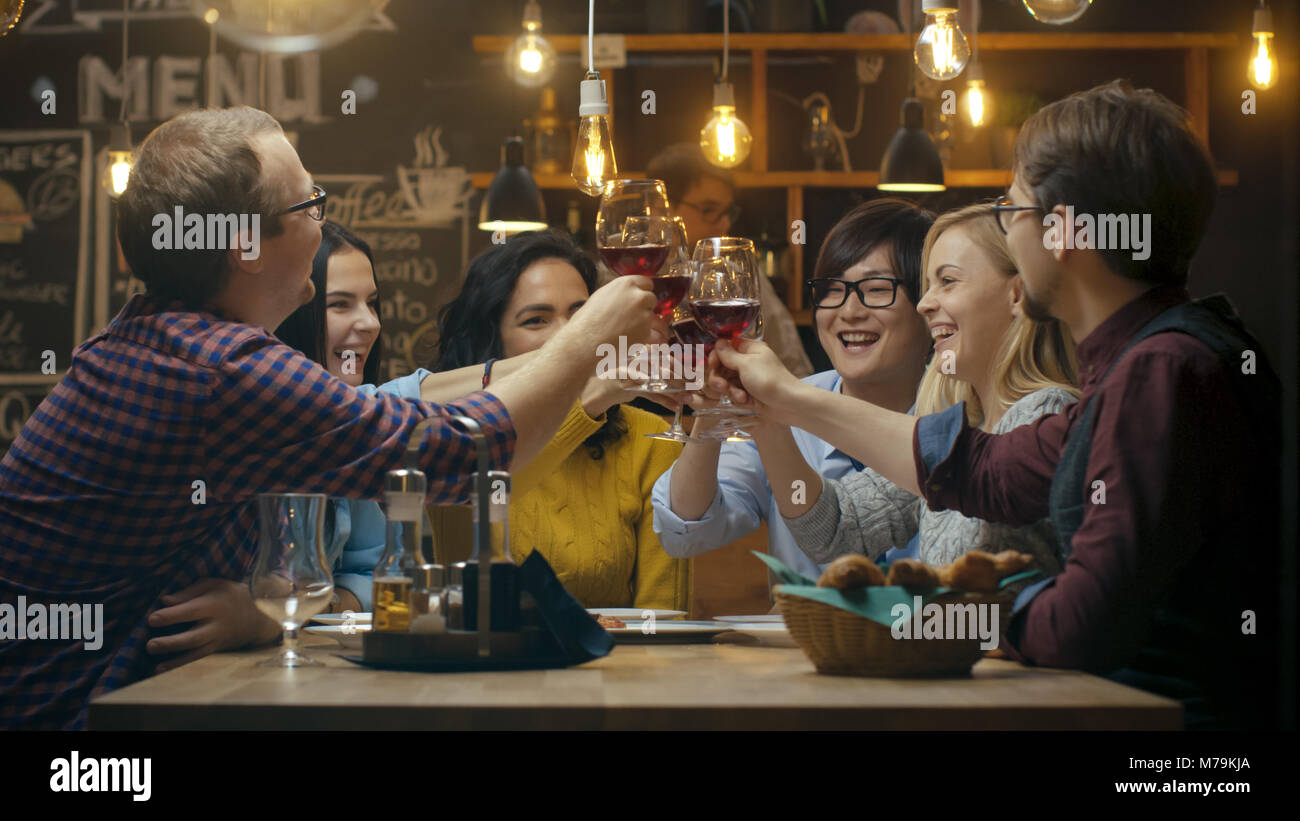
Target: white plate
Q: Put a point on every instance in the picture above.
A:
(766, 618)
(670, 629)
(340, 618)
(771, 635)
(351, 639)
(634, 613)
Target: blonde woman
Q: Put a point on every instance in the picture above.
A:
(1007, 368)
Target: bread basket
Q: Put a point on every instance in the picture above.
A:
(842, 643)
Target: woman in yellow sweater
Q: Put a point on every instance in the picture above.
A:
(584, 501)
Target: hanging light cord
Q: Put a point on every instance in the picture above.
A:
(591, 36)
(126, 64)
(726, 35)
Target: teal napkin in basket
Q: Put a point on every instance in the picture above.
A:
(875, 603)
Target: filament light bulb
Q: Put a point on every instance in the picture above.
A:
(1056, 12)
(941, 50)
(1263, 64)
(593, 156)
(530, 60)
(977, 102)
(117, 173)
(725, 139)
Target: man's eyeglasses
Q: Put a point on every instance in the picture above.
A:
(712, 212)
(1003, 205)
(873, 292)
(313, 205)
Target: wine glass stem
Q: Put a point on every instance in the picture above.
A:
(291, 641)
(677, 421)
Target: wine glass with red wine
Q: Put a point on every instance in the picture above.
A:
(724, 297)
(696, 343)
(634, 236)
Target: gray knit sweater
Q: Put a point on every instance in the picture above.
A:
(865, 513)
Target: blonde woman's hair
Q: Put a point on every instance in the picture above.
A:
(1032, 355)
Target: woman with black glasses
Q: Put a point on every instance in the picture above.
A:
(864, 293)
(1008, 370)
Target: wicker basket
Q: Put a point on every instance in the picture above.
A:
(841, 643)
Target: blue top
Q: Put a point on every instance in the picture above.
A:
(744, 498)
(360, 528)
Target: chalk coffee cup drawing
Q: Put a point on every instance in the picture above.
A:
(434, 195)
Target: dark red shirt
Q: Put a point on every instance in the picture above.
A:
(1179, 490)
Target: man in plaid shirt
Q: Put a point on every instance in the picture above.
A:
(100, 495)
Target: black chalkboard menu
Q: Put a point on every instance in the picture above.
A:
(44, 263)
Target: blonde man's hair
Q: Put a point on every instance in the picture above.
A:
(1032, 355)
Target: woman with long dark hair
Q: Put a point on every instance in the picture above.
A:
(339, 329)
(584, 501)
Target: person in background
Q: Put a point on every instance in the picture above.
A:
(704, 196)
(1007, 369)
(584, 502)
(878, 343)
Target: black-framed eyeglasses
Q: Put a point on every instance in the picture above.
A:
(1004, 205)
(873, 292)
(313, 205)
(713, 212)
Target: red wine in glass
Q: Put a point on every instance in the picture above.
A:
(669, 289)
(725, 318)
(688, 334)
(635, 259)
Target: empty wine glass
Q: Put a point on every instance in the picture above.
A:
(291, 581)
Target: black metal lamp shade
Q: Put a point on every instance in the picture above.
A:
(513, 201)
(911, 161)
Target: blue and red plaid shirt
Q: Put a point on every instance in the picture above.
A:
(99, 501)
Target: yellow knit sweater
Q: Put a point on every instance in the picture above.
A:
(592, 519)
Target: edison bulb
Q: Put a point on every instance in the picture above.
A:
(593, 156)
(1056, 12)
(117, 173)
(530, 61)
(976, 107)
(10, 11)
(941, 49)
(1263, 65)
(725, 139)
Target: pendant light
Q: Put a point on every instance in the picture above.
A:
(911, 162)
(530, 60)
(1263, 64)
(941, 49)
(513, 202)
(593, 156)
(121, 159)
(725, 139)
(1056, 12)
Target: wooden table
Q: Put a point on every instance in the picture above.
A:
(637, 687)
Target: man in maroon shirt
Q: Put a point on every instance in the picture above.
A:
(1162, 480)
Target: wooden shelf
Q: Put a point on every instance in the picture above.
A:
(990, 41)
(1194, 48)
(954, 177)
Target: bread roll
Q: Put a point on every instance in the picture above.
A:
(913, 573)
(849, 572)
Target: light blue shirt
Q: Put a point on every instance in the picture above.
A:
(360, 527)
(744, 498)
